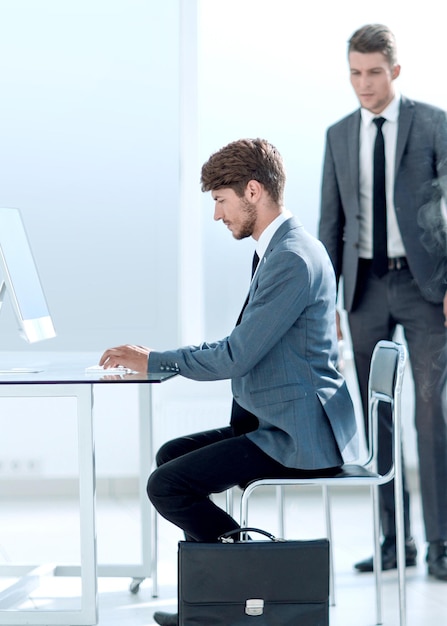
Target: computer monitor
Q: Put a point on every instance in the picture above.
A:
(19, 278)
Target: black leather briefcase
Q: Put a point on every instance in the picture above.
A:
(254, 583)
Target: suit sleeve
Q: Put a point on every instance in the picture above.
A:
(332, 218)
(280, 297)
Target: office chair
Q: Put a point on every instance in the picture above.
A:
(385, 385)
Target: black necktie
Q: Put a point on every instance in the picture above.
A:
(254, 265)
(380, 254)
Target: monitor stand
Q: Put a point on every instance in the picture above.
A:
(14, 370)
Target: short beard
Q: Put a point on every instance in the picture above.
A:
(249, 219)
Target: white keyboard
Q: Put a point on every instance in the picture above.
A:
(99, 369)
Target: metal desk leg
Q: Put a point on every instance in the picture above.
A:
(87, 496)
(148, 568)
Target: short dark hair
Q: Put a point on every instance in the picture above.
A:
(244, 160)
(374, 38)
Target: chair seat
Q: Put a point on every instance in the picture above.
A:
(346, 472)
(355, 471)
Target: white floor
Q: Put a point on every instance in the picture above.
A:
(35, 531)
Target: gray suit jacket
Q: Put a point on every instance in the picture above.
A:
(420, 180)
(281, 357)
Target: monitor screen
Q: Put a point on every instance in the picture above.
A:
(21, 280)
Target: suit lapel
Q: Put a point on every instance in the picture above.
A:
(289, 224)
(405, 119)
(353, 144)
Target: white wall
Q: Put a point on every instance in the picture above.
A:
(90, 150)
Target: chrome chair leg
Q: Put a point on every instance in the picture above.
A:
(229, 501)
(280, 496)
(328, 518)
(154, 552)
(377, 558)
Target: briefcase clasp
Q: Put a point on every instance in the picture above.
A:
(254, 606)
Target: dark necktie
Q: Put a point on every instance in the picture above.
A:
(254, 265)
(242, 420)
(380, 254)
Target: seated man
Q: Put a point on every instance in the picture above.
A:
(292, 414)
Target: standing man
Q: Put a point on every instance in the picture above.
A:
(292, 414)
(382, 222)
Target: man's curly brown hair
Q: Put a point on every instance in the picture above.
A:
(244, 160)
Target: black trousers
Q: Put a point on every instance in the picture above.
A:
(381, 304)
(192, 468)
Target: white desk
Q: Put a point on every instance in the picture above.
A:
(64, 375)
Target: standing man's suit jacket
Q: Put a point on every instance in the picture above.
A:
(281, 357)
(420, 180)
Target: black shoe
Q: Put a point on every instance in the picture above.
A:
(437, 559)
(389, 558)
(166, 619)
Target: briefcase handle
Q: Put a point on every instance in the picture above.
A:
(227, 537)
